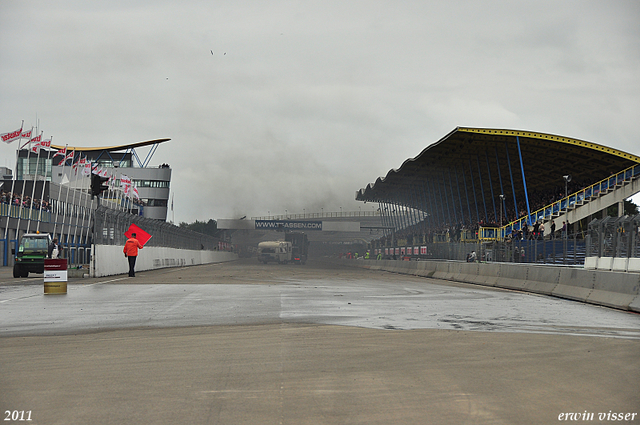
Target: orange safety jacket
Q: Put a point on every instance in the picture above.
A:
(131, 247)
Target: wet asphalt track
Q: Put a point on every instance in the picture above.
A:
(246, 292)
(246, 343)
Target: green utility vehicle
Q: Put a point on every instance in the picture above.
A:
(32, 251)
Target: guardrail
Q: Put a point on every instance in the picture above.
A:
(574, 200)
(25, 213)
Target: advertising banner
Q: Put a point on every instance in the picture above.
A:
(288, 225)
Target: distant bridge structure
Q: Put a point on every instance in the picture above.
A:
(339, 227)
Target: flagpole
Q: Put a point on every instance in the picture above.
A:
(66, 199)
(64, 161)
(13, 181)
(6, 228)
(84, 210)
(44, 183)
(121, 195)
(112, 180)
(23, 185)
(73, 201)
(33, 188)
(86, 238)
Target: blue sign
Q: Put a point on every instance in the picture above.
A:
(288, 225)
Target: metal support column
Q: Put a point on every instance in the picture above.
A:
(484, 203)
(442, 199)
(453, 201)
(504, 205)
(493, 199)
(513, 187)
(459, 196)
(439, 217)
(524, 182)
(466, 193)
(475, 199)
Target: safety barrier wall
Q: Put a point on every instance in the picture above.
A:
(608, 288)
(615, 264)
(108, 260)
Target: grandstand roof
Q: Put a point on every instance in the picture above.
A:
(487, 162)
(114, 148)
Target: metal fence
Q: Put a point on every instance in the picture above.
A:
(110, 226)
(569, 250)
(614, 237)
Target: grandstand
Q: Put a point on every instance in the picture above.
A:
(497, 185)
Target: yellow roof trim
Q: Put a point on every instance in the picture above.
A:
(113, 148)
(553, 137)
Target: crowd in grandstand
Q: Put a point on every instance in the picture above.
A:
(26, 202)
(429, 230)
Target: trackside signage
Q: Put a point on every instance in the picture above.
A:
(288, 225)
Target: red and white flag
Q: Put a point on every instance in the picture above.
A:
(36, 139)
(79, 163)
(124, 181)
(11, 136)
(26, 134)
(69, 156)
(44, 144)
(36, 142)
(86, 171)
(62, 152)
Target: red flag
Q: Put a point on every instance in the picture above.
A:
(62, 152)
(141, 235)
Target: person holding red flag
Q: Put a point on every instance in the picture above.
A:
(130, 250)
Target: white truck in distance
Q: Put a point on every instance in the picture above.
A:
(278, 251)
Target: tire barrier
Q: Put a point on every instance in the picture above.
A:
(620, 290)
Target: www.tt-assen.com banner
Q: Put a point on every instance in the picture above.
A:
(288, 225)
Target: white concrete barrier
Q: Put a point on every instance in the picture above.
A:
(615, 289)
(542, 279)
(575, 284)
(619, 264)
(633, 265)
(591, 263)
(512, 276)
(108, 260)
(605, 263)
(609, 288)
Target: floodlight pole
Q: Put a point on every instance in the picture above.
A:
(567, 179)
(500, 227)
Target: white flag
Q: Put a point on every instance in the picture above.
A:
(12, 136)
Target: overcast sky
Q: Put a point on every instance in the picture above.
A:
(304, 102)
